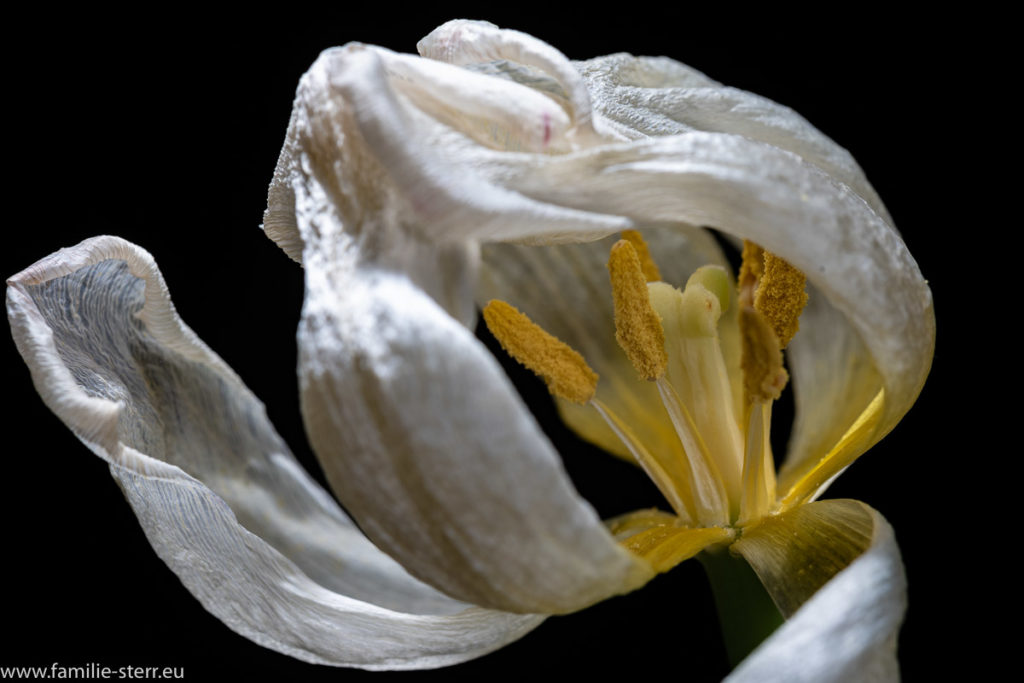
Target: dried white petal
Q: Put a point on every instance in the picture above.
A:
(428, 446)
(216, 491)
(790, 207)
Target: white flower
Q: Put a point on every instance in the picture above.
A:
(395, 171)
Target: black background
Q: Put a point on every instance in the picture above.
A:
(164, 129)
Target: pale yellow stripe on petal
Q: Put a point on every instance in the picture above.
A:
(665, 546)
(806, 485)
(676, 491)
(796, 553)
(638, 405)
(632, 523)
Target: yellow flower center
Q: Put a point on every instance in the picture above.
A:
(715, 357)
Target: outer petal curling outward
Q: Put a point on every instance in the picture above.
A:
(391, 165)
(799, 551)
(847, 630)
(625, 97)
(436, 456)
(463, 42)
(217, 493)
(475, 504)
(772, 197)
(657, 97)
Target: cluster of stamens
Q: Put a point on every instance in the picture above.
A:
(715, 356)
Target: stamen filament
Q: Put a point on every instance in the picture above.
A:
(649, 464)
(758, 464)
(708, 488)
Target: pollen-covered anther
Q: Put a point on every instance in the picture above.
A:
(772, 296)
(562, 368)
(780, 297)
(638, 328)
(774, 288)
(764, 377)
(643, 252)
(751, 269)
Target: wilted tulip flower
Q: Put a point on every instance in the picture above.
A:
(569, 202)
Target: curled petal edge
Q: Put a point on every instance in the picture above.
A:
(789, 206)
(847, 630)
(237, 575)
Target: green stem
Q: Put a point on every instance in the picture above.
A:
(745, 610)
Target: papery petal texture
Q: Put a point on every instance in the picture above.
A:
(770, 177)
(790, 207)
(393, 172)
(799, 551)
(463, 42)
(420, 433)
(388, 187)
(658, 97)
(431, 450)
(216, 491)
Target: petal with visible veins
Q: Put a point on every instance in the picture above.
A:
(218, 494)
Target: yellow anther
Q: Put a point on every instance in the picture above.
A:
(780, 297)
(774, 288)
(647, 264)
(637, 326)
(751, 269)
(562, 369)
(772, 297)
(761, 357)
